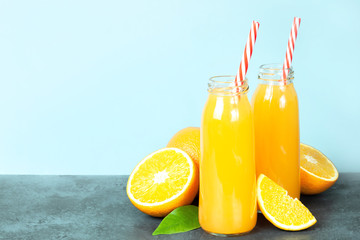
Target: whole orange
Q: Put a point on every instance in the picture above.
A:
(188, 140)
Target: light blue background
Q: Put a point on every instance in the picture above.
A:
(91, 87)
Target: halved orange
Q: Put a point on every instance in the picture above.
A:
(317, 172)
(280, 209)
(163, 181)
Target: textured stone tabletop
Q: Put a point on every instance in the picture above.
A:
(96, 207)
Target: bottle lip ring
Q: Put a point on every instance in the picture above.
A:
(230, 78)
(274, 67)
(274, 72)
(225, 85)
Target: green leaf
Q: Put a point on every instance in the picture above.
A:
(182, 219)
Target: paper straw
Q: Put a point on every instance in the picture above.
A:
(290, 48)
(249, 47)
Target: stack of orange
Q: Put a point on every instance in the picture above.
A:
(317, 174)
(169, 177)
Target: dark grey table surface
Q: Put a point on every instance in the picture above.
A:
(97, 207)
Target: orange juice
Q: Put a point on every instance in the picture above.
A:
(227, 198)
(276, 119)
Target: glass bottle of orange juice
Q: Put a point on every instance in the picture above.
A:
(227, 198)
(276, 119)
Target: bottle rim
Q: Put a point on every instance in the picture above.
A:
(273, 72)
(226, 85)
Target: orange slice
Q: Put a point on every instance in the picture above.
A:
(280, 209)
(163, 181)
(317, 172)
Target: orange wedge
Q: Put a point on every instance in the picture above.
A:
(317, 172)
(280, 209)
(163, 181)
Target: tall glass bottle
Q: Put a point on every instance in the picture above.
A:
(227, 198)
(276, 118)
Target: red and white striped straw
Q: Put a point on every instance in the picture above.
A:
(290, 47)
(249, 47)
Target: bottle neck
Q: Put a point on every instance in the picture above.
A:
(226, 85)
(272, 74)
